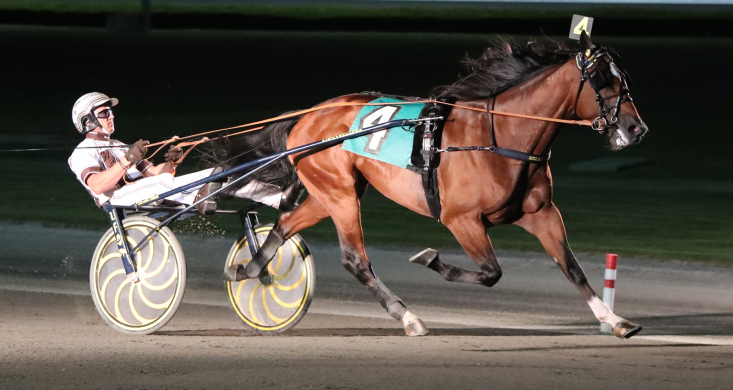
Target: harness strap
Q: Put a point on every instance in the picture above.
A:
(427, 139)
(511, 153)
(577, 96)
(505, 152)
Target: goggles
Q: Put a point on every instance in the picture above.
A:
(106, 113)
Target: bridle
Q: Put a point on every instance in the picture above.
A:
(590, 71)
(587, 63)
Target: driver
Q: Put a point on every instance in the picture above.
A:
(123, 177)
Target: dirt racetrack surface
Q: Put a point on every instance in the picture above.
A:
(532, 330)
(59, 341)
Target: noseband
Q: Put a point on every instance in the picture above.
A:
(591, 72)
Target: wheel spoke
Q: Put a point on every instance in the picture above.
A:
(277, 320)
(163, 286)
(117, 302)
(251, 306)
(151, 249)
(143, 321)
(290, 268)
(166, 249)
(105, 258)
(103, 290)
(281, 303)
(239, 291)
(293, 286)
(151, 304)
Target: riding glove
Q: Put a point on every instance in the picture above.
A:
(137, 152)
(173, 155)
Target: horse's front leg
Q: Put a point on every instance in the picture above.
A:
(547, 225)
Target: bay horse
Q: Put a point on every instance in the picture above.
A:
(478, 189)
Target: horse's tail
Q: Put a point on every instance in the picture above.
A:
(232, 151)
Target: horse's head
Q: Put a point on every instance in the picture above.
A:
(616, 117)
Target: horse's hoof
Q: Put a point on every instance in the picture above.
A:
(234, 273)
(425, 257)
(626, 329)
(414, 325)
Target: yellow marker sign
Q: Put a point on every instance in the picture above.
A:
(579, 24)
(582, 26)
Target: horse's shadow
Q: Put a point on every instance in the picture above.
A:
(363, 332)
(718, 324)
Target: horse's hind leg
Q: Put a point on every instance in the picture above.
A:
(307, 214)
(340, 197)
(548, 227)
(471, 234)
(346, 216)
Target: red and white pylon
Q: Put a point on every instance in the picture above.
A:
(609, 288)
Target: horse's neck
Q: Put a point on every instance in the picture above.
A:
(550, 94)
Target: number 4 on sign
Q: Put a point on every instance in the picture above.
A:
(580, 23)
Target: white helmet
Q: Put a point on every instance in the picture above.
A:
(83, 112)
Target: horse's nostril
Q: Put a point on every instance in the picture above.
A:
(634, 129)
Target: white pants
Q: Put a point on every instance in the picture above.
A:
(149, 187)
(155, 185)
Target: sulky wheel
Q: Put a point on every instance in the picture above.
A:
(276, 304)
(143, 307)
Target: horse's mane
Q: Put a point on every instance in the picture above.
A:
(503, 65)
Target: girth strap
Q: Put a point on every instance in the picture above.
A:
(511, 153)
(425, 159)
(505, 152)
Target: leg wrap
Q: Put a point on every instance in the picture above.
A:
(390, 302)
(260, 260)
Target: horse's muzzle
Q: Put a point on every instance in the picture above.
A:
(637, 132)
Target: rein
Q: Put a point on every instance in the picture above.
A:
(502, 151)
(581, 122)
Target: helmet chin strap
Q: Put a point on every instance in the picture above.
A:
(104, 130)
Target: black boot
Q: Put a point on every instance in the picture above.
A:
(208, 206)
(290, 196)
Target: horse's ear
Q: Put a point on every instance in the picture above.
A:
(585, 43)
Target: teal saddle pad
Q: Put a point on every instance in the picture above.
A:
(393, 146)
